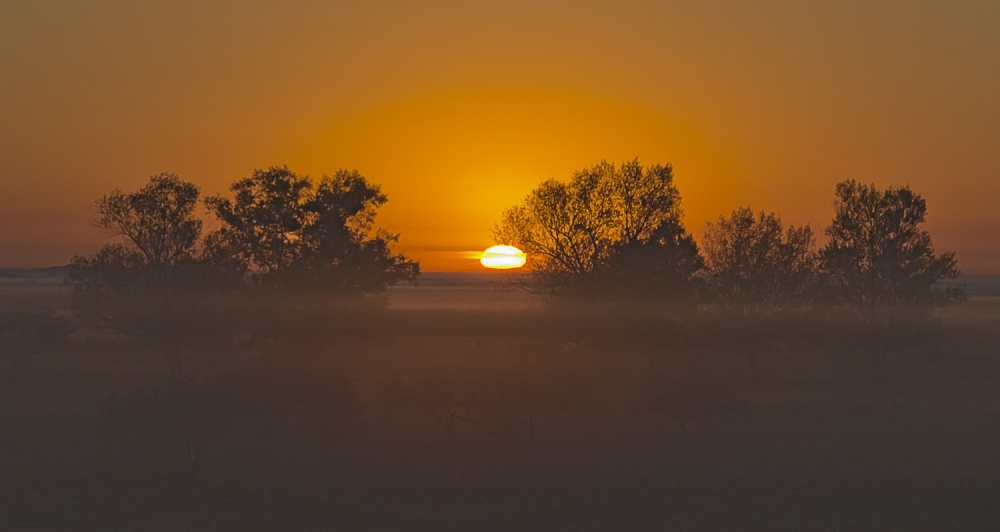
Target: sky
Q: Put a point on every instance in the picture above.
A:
(458, 109)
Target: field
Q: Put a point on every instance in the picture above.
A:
(461, 405)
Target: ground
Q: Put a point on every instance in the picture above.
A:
(453, 414)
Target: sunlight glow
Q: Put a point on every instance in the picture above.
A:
(503, 258)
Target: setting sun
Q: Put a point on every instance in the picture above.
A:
(503, 258)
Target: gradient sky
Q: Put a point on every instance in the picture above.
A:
(459, 108)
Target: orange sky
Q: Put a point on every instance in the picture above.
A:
(459, 108)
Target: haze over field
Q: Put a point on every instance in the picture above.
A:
(459, 109)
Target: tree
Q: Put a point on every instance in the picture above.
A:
(878, 256)
(261, 225)
(157, 223)
(755, 263)
(147, 284)
(343, 251)
(617, 224)
(659, 268)
(292, 233)
(155, 256)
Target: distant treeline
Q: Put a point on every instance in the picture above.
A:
(19, 273)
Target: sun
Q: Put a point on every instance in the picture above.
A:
(503, 258)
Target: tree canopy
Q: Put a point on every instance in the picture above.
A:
(158, 234)
(148, 282)
(589, 228)
(755, 263)
(293, 233)
(878, 255)
(156, 223)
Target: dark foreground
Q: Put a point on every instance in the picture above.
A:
(508, 420)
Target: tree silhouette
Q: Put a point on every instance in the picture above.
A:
(156, 223)
(660, 268)
(879, 257)
(263, 222)
(157, 251)
(755, 263)
(147, 284)
(618, 223)
(341, 250)
(291, 233)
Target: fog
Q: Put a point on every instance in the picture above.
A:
(461, 404)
